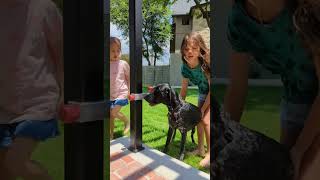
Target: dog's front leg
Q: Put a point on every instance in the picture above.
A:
(182, 147)
(169, 138)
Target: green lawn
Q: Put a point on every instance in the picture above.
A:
(51, 155)
(261, 113)
(262, 109)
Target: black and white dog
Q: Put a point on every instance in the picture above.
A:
(239, 153)
(181, 115)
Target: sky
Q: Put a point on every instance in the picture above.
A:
(114, 31)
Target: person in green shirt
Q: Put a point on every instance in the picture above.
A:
(263, 30)
(195, 68)
(306, 19)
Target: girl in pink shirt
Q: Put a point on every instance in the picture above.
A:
(31, 84)
(119, 85)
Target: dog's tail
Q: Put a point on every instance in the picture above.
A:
(192, 133)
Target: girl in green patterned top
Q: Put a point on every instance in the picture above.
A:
(195, 68)
(264, 30)
(306, 20)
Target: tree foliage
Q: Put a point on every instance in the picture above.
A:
(156, 28)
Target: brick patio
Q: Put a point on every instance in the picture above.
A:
(123, 166)
(148, 164)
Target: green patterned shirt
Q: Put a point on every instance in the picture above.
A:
(278, 48)
(196, 76)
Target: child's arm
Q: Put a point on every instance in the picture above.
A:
(310, 131)
(237, 89)
(53, 28)
(184, 88)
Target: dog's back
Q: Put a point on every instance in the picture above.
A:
(243, 154)
(187, 117)
(181, 115)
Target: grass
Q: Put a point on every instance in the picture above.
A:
(262, 109)
(261, 113)
(51, 155)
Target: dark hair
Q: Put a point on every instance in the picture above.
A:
(306, 19)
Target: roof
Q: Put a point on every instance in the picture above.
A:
(182, 7)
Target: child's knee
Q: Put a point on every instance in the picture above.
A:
(113, 115)
(206, 121)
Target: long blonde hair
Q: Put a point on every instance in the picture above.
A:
(204, 57)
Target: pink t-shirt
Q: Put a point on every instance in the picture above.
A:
(119, 79)
(30, 49)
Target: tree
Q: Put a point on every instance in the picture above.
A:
(203, 9)
(156, 29)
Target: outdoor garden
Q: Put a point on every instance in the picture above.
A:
(263, 117)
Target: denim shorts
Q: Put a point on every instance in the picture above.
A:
(201, 99)
(35, 129)
(119, 102)
(293, 116)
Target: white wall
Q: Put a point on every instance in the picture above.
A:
(181, 30)
(175, 72)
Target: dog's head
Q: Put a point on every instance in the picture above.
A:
(162, 93)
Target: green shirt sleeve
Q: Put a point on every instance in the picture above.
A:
(234, 35)
(184, 71)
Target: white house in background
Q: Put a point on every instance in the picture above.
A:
(184, 16)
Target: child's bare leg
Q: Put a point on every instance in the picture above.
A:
(112, 119)
(200, 132)
(18, 160)
(206, 124)
(116, 113)
(113, 114)
(3, 169)
(200, 148)
(125, 120)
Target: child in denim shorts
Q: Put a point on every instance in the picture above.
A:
(31, 80)
(119, 85)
